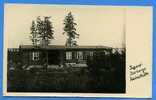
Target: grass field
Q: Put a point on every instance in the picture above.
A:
(65, 80)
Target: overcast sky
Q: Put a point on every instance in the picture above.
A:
(96, 25)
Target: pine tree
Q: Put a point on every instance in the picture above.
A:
(34, 35)
(70, 30)
(45, 30)
(42, 31)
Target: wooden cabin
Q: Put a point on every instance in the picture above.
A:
(58, 54)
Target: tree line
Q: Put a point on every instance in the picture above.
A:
(42, 31)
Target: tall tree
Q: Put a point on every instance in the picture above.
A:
(34, 34)
(70, 30)
(45, 30)
(42, 31)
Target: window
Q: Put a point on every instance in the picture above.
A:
(91, 53)
(80, 55)
(68, 55)
(35, 56)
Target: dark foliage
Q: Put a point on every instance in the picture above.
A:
(41, 31)
(110, 67)
(34, 34)
(70, 30)
(105, 74)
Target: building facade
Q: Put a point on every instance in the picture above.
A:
(57, 54)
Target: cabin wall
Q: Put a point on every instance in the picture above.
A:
(13, 57)
(28, 57)
(58, 57)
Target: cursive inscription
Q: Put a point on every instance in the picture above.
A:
(137, 72)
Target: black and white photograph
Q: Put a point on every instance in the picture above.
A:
(65, 49)
(58, 49)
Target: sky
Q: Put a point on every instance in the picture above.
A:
(97, 25)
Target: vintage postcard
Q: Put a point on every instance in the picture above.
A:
(77, 51)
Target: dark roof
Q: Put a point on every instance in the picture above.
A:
(62, 47)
